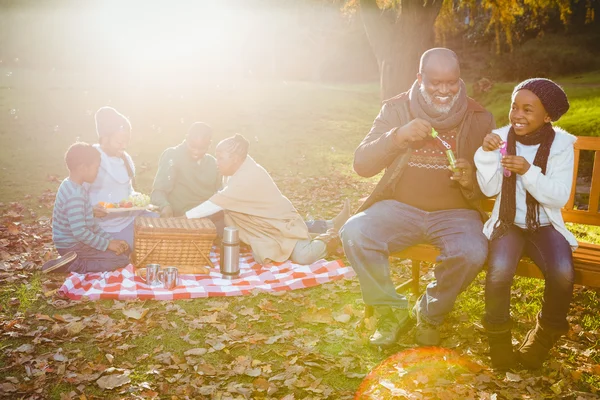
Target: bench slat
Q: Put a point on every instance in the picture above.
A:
(587, 143)
(571, 203)
(595, 189)
(586, 259)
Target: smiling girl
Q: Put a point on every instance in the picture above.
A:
(532, 181)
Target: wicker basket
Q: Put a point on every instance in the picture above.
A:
(184, 243)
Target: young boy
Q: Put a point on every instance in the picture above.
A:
(84, 247)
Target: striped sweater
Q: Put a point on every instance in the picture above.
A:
(73, 219)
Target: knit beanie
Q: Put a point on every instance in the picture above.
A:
(109, 121)
(553, 97)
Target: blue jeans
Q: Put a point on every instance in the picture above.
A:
(91, 260)
(551, 252)
(389, 226)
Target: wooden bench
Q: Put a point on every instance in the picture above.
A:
(586, 257)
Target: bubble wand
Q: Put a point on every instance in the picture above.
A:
(449, 152)
(503, 152)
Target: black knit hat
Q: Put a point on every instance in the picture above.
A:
(109, 121)
(553, 97)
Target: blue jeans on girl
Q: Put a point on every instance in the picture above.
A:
(551, 252)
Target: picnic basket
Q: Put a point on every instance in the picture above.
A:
(180, 242)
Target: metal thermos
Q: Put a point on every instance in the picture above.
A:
(230, 253)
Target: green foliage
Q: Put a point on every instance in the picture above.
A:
(509, 20)
(550, 55)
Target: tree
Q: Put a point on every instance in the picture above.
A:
(399, 32)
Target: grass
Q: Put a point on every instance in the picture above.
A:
(24, 294)
(582, 119)
(303, 133)
(294, 128)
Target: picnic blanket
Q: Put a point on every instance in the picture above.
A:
(124, 284)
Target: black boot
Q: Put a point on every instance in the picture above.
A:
(501, 350)
(537, 344)
(390, 324)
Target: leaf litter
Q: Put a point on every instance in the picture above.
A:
(306, 344)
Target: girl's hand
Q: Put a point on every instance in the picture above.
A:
(100, 212)
(516, 164)
(491, 142)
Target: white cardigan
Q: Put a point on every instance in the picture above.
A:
(551, 190)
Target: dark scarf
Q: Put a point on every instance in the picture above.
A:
(441, 122)
(544, 137)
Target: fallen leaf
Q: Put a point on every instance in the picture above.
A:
(135, 313)
(343, 318)
(196, 352)
(112, 381)
(317, 316)
(7, 388)
(557, 387)
(510, 377)
(44, 317)
(261, 384)
(25, 348)
(253, 372)
(125, 346)
(59, 317)
(205, 369)
(74, 327)
(12, 228)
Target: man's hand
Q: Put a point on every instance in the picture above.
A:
(491, 142)
(515, 164)
(464, 174)
(118, 246)
(416, 130)
(100, 212)
(166, 212)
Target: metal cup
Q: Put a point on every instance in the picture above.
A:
(152, 272)
(169, 277)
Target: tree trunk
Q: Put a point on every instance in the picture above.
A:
(398, 37)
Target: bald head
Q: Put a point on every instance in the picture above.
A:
(439, 79)
(439, 56)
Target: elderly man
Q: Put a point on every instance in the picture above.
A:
(186, 175)
(420, 199)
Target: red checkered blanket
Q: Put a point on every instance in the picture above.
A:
(124, 284)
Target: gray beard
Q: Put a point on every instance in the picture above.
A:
(442, 109)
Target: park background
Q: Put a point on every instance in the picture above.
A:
(303, 81)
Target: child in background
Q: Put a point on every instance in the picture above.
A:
(533, 182)
(84, 247)
(114, 182)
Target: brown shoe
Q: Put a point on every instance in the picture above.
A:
(332, 242)
(54, 265)
(391, 323)
(537, 344)
(499, 337)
